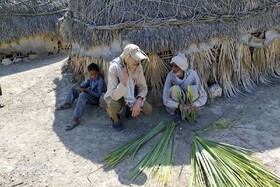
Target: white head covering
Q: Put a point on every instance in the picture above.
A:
(135, 52)
(181, 61)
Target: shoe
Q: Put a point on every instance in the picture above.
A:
(63, 106)
(117, 127)
(122, 113)
(74, 123)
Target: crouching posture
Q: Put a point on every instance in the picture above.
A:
(88, 92)
(177, 82)
(127, 88)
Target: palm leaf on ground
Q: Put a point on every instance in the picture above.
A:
(222, 123)
(158, 161)
(131, 147)
(217, 165)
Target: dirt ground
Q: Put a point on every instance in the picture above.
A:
(36, 150)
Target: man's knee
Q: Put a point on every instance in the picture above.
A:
(147, 108)
(174, 92)
(112, 103)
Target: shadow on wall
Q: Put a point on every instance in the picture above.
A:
(94, 137)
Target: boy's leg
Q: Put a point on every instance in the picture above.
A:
(82, 101)
(78, 112)
(72, 94)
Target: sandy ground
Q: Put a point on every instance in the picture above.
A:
(36, 150)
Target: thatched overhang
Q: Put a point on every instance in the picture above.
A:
(231, 43)
(23, 18)
(176, 25)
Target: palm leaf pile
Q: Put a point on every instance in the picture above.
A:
(213, 164)
(157, 161)
(130, 148)
(217, 165)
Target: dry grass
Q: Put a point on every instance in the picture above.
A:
(155, 72)
(79, 67)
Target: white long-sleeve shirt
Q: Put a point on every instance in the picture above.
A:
(190, 78)
(116, 90)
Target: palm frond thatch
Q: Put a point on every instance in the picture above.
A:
(217, 165)
(79, 67)
(174, 24)
(227, 68)
(22, 18)
(155, 81)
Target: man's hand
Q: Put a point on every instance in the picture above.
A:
(187, 108)
(136, 109)
(194, 108)
(125, 75)
(183, 108)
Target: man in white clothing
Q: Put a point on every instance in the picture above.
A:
(125, 74)
(180, 77)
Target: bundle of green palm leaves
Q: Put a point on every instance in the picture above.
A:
(158, 161)
(130, 148)
(188, 112)
(217, 165)
(192, 111)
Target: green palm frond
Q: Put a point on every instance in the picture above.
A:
(130, 148)
(158, 161)
(222, 123)
(221, 165)
(192, 112)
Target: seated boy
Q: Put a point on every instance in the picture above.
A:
(88, 92)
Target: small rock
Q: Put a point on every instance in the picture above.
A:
(6, 62)
(17, 60)
(32, 57)
(215, 91)
(26, 59)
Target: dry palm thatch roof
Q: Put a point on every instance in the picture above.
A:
(26, 17)
(171, 24)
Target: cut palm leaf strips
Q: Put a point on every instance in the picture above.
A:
(221, 165)
(187, 113)
(222, 123)
(158, 161)
(131, 147)
(192, 113)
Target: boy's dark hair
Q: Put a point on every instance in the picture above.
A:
(93, 67)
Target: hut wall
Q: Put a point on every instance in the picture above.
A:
(38, 44)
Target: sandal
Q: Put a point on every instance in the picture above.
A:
(63, 106)
(74, 123)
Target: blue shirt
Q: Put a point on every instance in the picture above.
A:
(96, 87)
